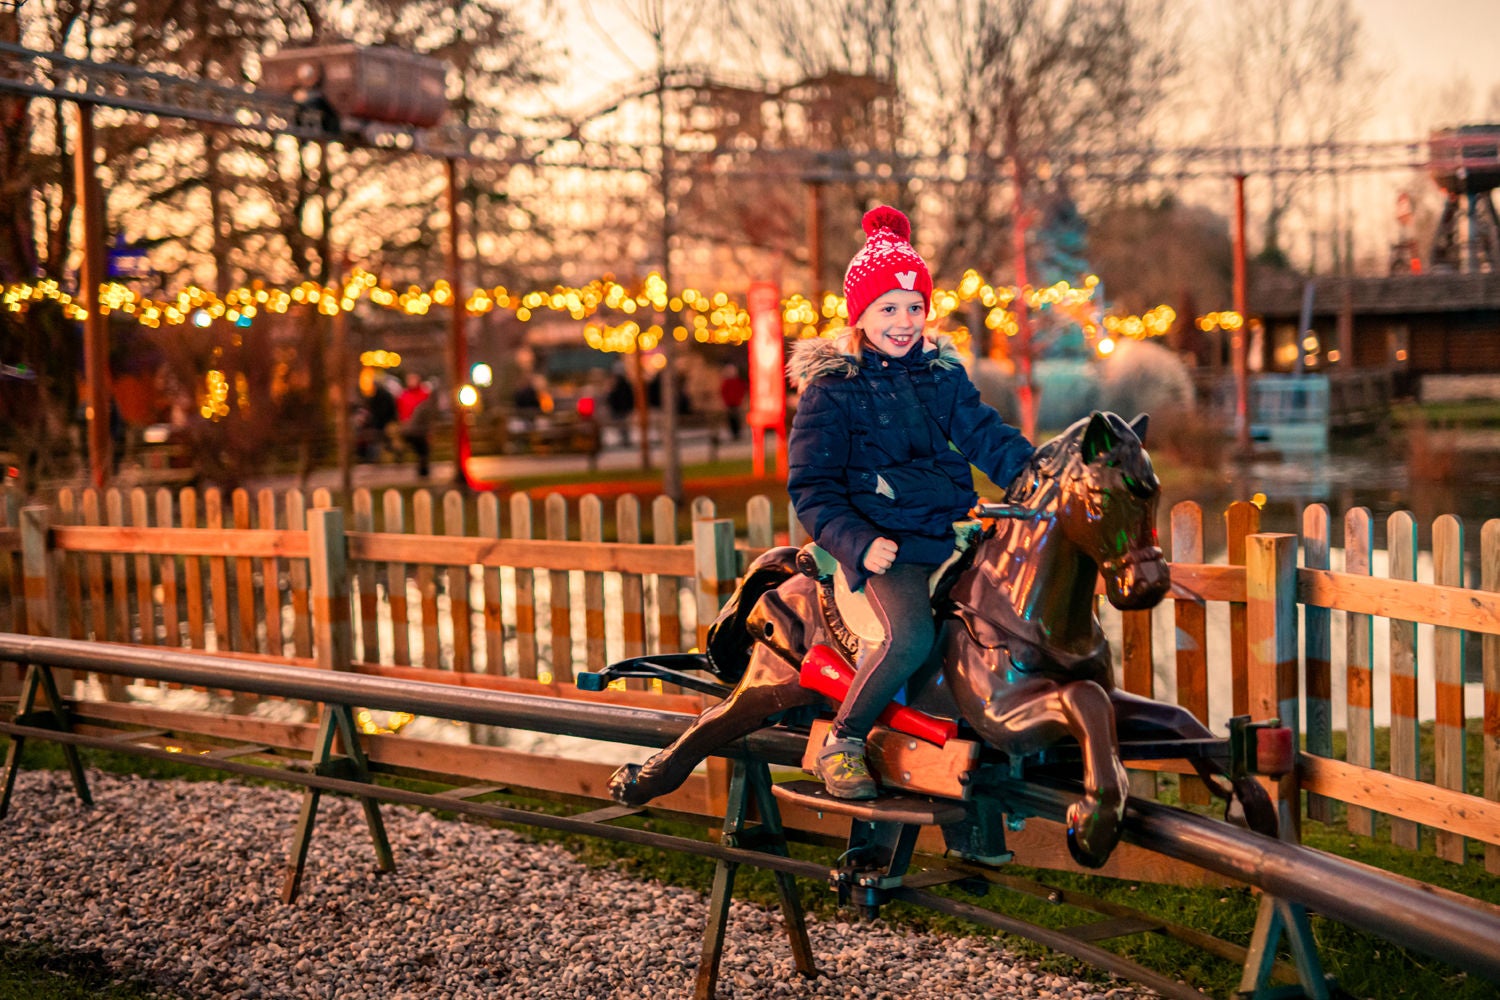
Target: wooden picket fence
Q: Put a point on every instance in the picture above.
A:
(437, 588)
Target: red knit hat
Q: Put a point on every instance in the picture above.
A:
(887, 262)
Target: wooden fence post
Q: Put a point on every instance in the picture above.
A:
(1317, 647)
(714, 557)
(1406, 752)
(1489, 557)
(559, 594)
(1359, 672)
(716, 566)
(333, 633)
(1190, 615)
(36, 569)
(1271, 649)
(1448, 671)
(1241, 520)
(364, 576)
(39, 587)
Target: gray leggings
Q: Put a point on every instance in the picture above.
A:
(901, 601)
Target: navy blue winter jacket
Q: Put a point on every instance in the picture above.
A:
(881, 447)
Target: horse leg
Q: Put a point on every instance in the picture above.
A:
(769, 686)
(1037, 712)
(1154, 717)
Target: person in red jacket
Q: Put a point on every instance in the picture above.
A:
(732, 392)
(414, 411)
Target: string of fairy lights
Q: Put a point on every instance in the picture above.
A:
(615, 318)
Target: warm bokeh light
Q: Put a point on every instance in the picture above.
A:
(623, 319)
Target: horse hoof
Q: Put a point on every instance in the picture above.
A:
(624, 788)
(1092, 834)
(1256, 810)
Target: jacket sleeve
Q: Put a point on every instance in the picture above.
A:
(999, 450)
(818, 482)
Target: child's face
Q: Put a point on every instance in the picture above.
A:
(893, 322)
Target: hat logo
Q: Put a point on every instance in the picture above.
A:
(908, 279)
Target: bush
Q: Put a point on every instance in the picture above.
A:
(1144, 377)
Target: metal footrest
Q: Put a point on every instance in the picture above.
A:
(911, 810)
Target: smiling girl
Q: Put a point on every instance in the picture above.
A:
(880, 454)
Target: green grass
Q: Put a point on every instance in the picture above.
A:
(37, 971)
(1365, 965)
(1469, 413)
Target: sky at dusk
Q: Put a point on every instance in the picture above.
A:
(1423, 46)
(1439, 62)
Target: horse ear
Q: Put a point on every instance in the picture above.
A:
(1140, 425)
(1098, 437)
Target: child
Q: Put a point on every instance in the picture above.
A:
(880, 451)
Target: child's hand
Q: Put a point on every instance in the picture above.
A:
(880, 555)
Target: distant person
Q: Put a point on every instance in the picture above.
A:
(621, 402)
(414, 408)
(732, 391)
(376, 414)
(531, 398)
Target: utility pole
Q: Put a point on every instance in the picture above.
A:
(1237, 342)
(671, 469)
(90, 276)
(1026, 391)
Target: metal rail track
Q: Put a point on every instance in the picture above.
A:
(1337, 889)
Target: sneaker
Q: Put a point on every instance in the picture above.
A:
(841, 765)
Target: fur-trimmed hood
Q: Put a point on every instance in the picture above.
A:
(820, 356)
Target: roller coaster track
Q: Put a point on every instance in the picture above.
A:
(1337, 889)
(57, 76)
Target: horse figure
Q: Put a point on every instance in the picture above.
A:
(1020, 657)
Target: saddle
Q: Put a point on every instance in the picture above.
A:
(853, 606)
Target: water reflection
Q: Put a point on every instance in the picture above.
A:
(1374, 472)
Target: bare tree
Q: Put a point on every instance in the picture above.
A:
(1008, 98)
(221, 206)
(1294, 73)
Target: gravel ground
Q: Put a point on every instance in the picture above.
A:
(177, 884)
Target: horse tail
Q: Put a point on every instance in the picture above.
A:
(729, 640)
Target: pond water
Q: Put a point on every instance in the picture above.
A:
(1454, 473)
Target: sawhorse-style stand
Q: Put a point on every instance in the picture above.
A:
(351, 765)
(750, 784)
(337, 755)
(55, 717)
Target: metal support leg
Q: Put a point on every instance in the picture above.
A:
(1278, 917)
(750, 779)
(337, 721)
(39, 678)
(877, 860)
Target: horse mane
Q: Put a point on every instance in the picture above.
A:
(1057, 457)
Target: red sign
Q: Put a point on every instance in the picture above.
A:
(767, 361)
